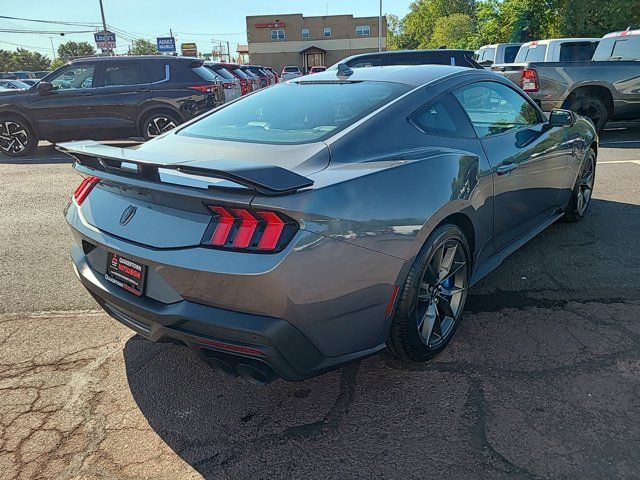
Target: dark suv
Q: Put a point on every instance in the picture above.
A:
(107, 98)
(462, 58)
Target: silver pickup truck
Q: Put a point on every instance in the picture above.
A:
(605, 88)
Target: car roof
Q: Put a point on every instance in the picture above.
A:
(624, 33)
(413, 75)
(131, 58)
(549, 40)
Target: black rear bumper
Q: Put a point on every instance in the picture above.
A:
(254, 346)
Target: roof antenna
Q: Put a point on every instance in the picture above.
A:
(344, 71)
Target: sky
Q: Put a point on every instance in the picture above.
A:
(191, 21)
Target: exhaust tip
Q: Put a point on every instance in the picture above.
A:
(256, 375)
(223, 367)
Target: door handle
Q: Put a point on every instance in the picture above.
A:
(506, 167)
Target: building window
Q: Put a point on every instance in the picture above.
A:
(305, 33)
(363, 30)
(327, 31)
(277, 34)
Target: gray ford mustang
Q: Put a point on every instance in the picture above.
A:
(324, 219)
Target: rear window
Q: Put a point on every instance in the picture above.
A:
(510, 53)
(485, 54)
(531, 53)
(626, 49)
(223, 72)
(240, 73)
(291, 69)
(204, 73)
(577, 51)
(314, 110)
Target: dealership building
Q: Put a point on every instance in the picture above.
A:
(279, 40)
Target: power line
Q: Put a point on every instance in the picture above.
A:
(48, 50)
(78, 24)
(43, 32)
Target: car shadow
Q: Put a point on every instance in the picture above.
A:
(621, 135)
(229, 428)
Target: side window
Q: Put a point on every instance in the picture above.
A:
(73, 77)
(129, 73)
(495, 108)
(156, 71)
(443, 118)
(576, 51)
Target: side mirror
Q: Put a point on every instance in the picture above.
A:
(561, 118)
(44, 88)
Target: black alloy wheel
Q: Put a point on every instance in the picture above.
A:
(433, 297)
(583, 189)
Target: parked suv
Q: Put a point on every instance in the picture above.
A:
(462, 58)
(290, 71)
(107, 98)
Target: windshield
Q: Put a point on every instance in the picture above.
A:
(531, 53)
(314, 110)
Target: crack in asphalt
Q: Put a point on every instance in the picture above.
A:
(485, 450)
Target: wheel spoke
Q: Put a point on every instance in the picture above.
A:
(428, 322)
(445, 308)
(455, 269)
(447, 262)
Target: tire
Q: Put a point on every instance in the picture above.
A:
(591, 107)
(17, 138)
(158, 122)
(580, 199)
(428, 312)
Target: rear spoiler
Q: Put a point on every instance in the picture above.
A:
(265, 179)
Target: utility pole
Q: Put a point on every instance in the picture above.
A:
(379, 28)
(53, 49)
(104, 25)
(228, 53)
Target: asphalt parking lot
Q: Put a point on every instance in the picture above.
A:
(541, 381)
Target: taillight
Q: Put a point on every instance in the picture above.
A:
(229, 85)
(84, 189)
(203, 88)
(529, 80)
(251, 230)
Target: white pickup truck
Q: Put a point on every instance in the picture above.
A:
(487, 55)
(557, 50)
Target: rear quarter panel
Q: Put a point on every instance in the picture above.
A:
(389, 185)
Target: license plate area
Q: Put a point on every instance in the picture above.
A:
(126, 273)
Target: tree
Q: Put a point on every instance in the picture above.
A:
(397, 39)
(488, 23)
(143, 47)
(453, 31)
(420, 21)
(6, 61)
(594, 18)
(70, 50)
(30, 61)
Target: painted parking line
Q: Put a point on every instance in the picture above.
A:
(637, 162)
(616, 142)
